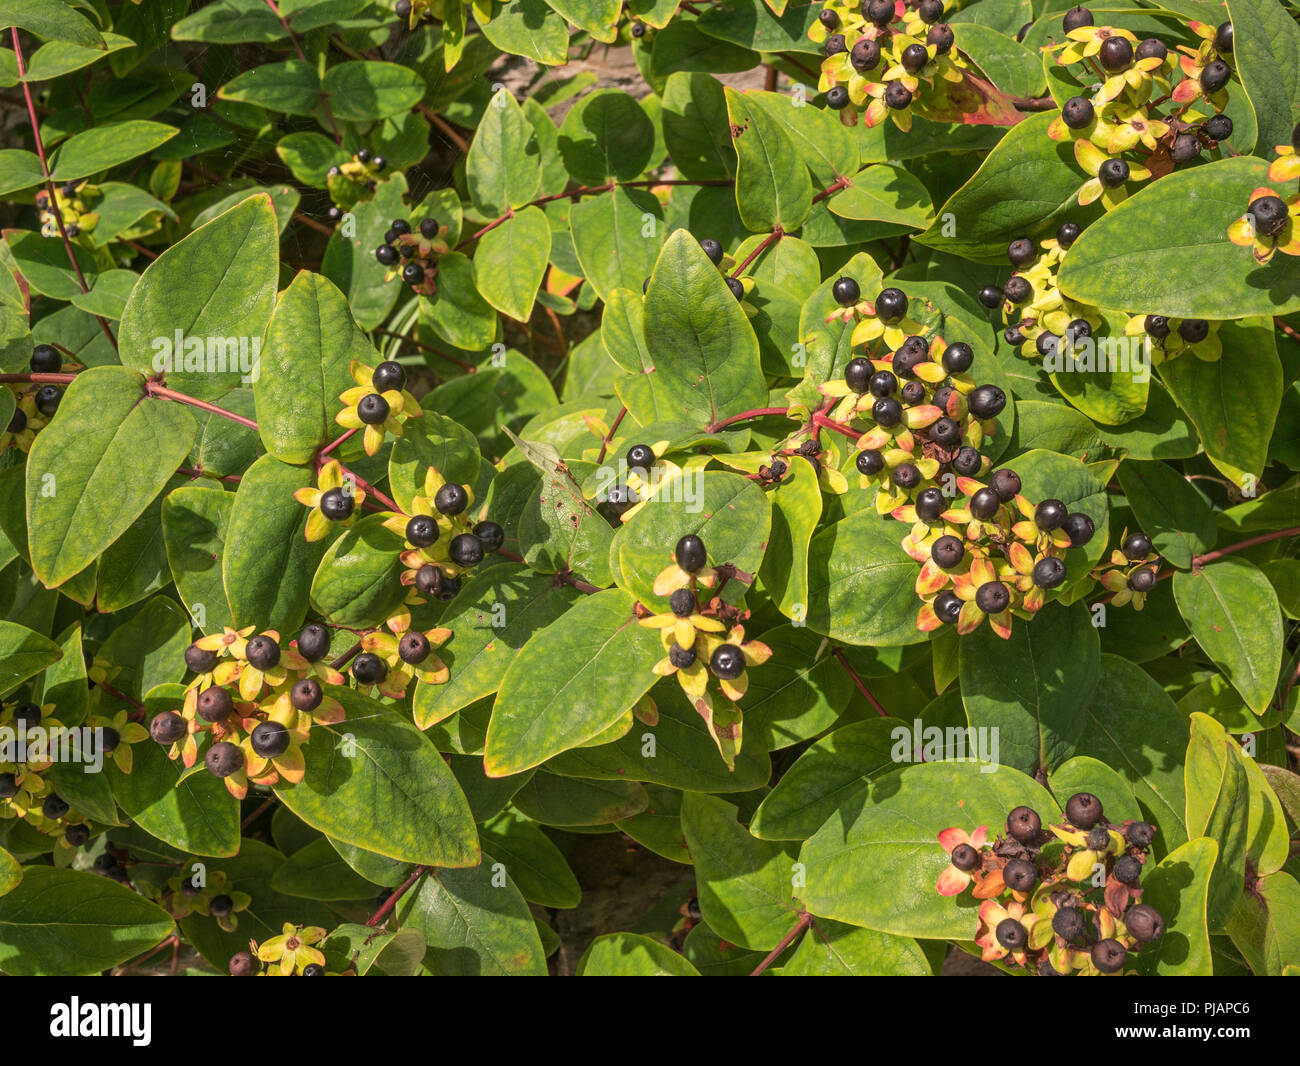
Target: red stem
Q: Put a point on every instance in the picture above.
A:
(860, 684)
(155, 389)
(757, 412)
(370, 490)
(831, 189)
(759, 249)
(387, 906)
(805, 920)
(49, 181)
(820, 419)
(604, 445)
(332, 445)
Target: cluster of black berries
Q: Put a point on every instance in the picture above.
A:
(1061, 899)
(36, 404)
(349, 182)
(76, 206)
(413, 254)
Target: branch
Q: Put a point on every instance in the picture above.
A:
(370, 490)
(604, 445)
(820, 419)
(759, 249)
(861, 686)
(757, 412)
(154, 389)
(387, 906)
(805, 920)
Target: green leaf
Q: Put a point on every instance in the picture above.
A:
(431, 441)
(1029, 688)
(598, 17)
(317, 871)
(1178, 887)
(349, 262)
(194, 520)
(1233, 613)
(378, 761)
(1264, 927)
(358, 579)
(1266, 54)
(214, 288)
(64, 922)
(1146, 749)
(862, 585)
(457, 313)
(1216, 785)
(772, 184)
(572, 681)
(293, 87)
(192, 812)
(681, 46)
(51, 20)
(832, 949)
(572, 801)
(755, 26)
(535, 864)
(896, 829)
(1118, 263)
(365, 90)
(744, 884)
(705, 352)
(1026, 187)
(696, 126)
(106, 146)
(310, 343)
(19, 170)
(1234, 401)
(78, 502)
(632, 955)
(268, 562)
(511, 261)
(476, 923)
(796, 510)
(45, 266)
(495, 615)
(398, 954)
(616, 244)
(23, 654)
(727, 511)
(64, 683)
(503, 168)
(148, 649)
(529, 28)
(1169, 510)
(884, 193)
(606, 136)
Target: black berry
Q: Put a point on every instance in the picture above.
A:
(846, 292)
(1021, 252)
(965, 857)
(1006, 483)
(992, 597)
(1017, 289)
(1020, 875)
(1083, 810)
(1078, 112)
(48, 398)
(865, 55)
(1076, 17)
(1193, 330)
(990, 296)
(957, 358)
(490, 535)
(313, 642)
(1049, 572)
(984, 504)
(897, 96)
(1144, 922)
(858, 375)
(1223, 37)
(1137, 546)
(421, 530)
(199, 660)
(451, 499)
(690, 553)
(681, 657)
(373, 409)
(387, 254)
(55, 806)
(930, 504)
(1218, 127)
(881, 384)
(914, 58)
(46, 360)
(214, 704)
(945, 431)
(1024, 825)
(269, 739)
(727, 662)
(1079, 527)
(887, 412)
(306, 695)
(948, 551)
(465, 549)
(1215, 76)
(737, 289)
(1069, 923)
(1140, 834)
(369, 668)
(891, 304)
(947, 606)
(1109, 956)
(1067, 233)
(429, 228)
(223, 759)
(389, 375)
(1113, 173)
(262, 652)
(167, 727)
(834, 45)
(967, 461)
(870, 462)
(1011, 934)
(987, 401)
(906, 476)
(1116, 54)
(1127, 870)
(1270, 215)
(1156, 326)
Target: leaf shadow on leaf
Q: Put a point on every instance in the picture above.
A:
(196, 560)
(1281, 286)
(1174, 947)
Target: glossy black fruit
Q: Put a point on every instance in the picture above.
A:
(1156, 326)
(912, 351)
(421, 530)
(373, 409)
(363, 155)
(914, 58)
(451, 499)
(76, 835)
(1140, 834)
(947, 607)
(490, 535)
(887, 412)
(992, 597)
(1017, 289)
(109, 738)
(945, 431)
(1223, 37)
(306, 695)
(1127, 870)
(1270, 215)
(881, 383)
(1113, 173)
(930, 504)
(1049, 572)
(640, 457)
(1079, 527)
(46, 359)
(1083, 810)
(269, 739)
(737, 289)
(865, 55)
(429, 228)
(413, 648)
(18, 422)
(837, 98)
(369, 668)
(846, 292)
(199, 660)
(870, 462)
(1021, 252)
(906, 476)
(9, 785)
(930, 11)
(835, 44)
(965, 857)
(1137, 546)
(967, 461)
(48, 398)
(881, 12)
(990, 296)
(948, 551)
(1078, 112)
(214, 704)
(223, 759)
(858, 375)
(413, 273)
(465, 549)
(941, 39)
(1109, 956)
(262, 651)
(389, 375)
(1024, 825)
(387, 254)
(1152, 48)
(336, 505)
(1144, 922)
(167, 727)
(1193, 330)
(1143, 580)
(984, 504)
(897, 96)
(1079, 329)
(1116, 54)
(987, 401)
(1218, 127)
(55, 806)
(1186, 147)
(891, 305)
(1011, 934)
(690, 553)
(1076, 17)
(1020, 875)
(314, 642)
(727, 662)
(1215, 76)
(958, 357)
(1006, 483)
(829, 19)
(1067, 233)
(912, 393)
